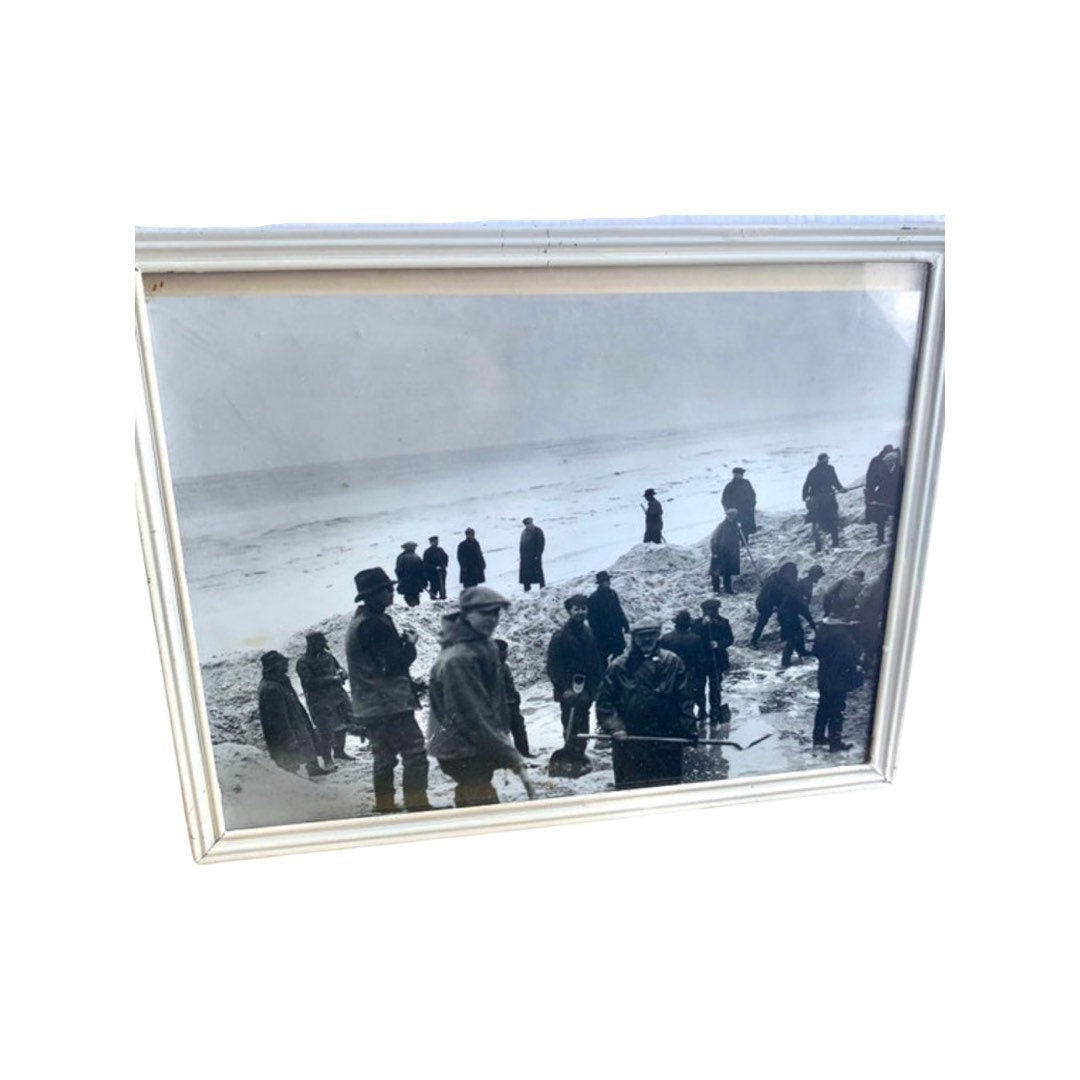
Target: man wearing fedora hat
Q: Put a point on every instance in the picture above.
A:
(379, 657)
(469, 718)
(739, 495)
(290, 737)
(607, 620)
(654, 518)
(644, 701)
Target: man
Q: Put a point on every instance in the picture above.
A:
(290, 738)
(471, 560)
(518, 731)
(331, 712)
(739, 495)
(645, 695)
(791, 609)
(690, 648)
(607, 620)
(869, 615)
(384, 701)
(654, 518)
(806, 583)
(469, 721)
(876, 464)
(768, 598)
(435, 563)
(411, 575)
(715, 633)
(724, 547)
(840, 598)
(818, 494)
(838, 674)
(883, 496)
(575, 669)
(531, 550)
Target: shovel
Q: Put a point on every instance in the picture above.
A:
(685, 742)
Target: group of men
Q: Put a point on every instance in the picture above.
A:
(649, 698)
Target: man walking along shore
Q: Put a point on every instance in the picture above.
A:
(384, 700)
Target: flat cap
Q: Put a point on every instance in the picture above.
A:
(481, 596)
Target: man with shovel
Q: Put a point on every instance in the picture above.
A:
(575, 669)
(644, 701)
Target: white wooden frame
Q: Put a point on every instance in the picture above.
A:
(495, 246)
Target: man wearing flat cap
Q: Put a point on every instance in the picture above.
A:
(739, 495)
(411, 575)
(716, 637)
(531, 551)
(290, 738)
(469, 725)
(654, 518)
(644, 697)
(607, 620)
(435, 563)
(575, 669)
(384, 701)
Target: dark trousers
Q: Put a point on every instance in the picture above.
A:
(394, 736)
(640, 764)
(794, 642)
(412, 599)
(575, 721)
(473, 777)
(832, 527)
(727, 583)
(437, 585)
(759, 627)
(829, 718)
(518, 732)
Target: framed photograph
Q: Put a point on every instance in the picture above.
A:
(451, 529)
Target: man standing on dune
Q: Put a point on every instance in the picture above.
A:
(654, 518)
(435, 563)
(531, 551)
(607, 620)
(471, 560)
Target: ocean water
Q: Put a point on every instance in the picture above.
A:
(270, 552)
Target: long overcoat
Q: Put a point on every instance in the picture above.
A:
(471, 561)
(435, 563)
(327, 702)
(650, 696)
(290, 738)
(531, 550)
(654, 521)
(739, 494)
(724, 549)
(717, 636)
(608, 622)
(837, 651)
(410, 573)
(819, 494)
(883, 498)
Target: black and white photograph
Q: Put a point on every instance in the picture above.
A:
(449, 543)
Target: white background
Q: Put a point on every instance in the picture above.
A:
(924, 928)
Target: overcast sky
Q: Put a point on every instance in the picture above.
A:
(264, 381)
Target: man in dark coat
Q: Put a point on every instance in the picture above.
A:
(768, 598)
(518, 731)
(289, 736)
(321, 677)
(435, 563)
(654, 518)
(872, 470)
(384, 699)
(807, 582)
(724, 552)
(869, 617)
(819, 495)
(645, 694)
(838, 674)
(792, 608)
(715, 633)
(469, 718)
(575, 669)
(531, 550)
(841, 596)
(607, 620)
(690, 648)
(471, 560)
(411, 575)
(883, 496)
(739, 495)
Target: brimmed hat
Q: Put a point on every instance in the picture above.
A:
(738, 469)
(708, 605)
(371, 581)
(272, 659)
(646, 623)
(409, 545)
(649, 492)
(314, 635)
(577, 600)
(433, 539)
(526, 521)
(823, 457)
(481, 596)
(603, 575)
